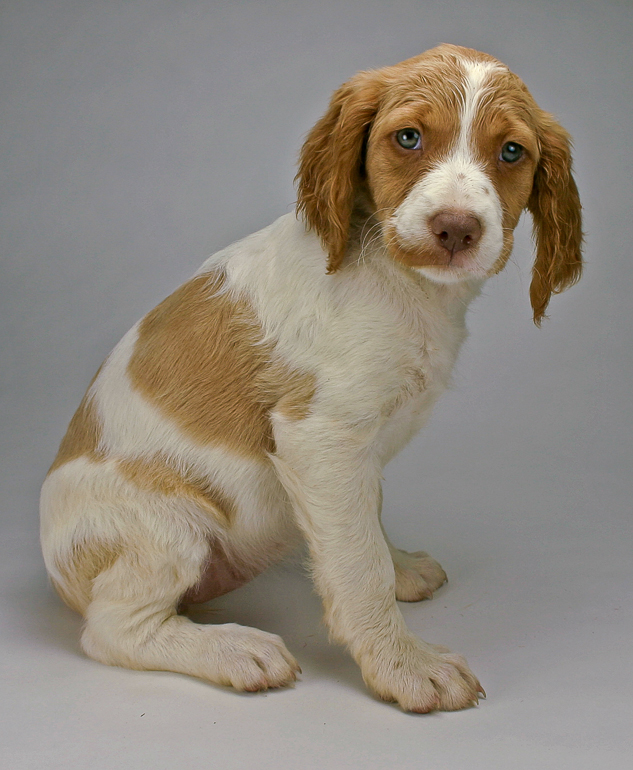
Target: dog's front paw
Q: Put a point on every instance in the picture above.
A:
(423, 678)
(417, 575)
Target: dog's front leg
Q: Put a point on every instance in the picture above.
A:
(333, 478)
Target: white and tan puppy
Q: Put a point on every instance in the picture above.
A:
(259, 403)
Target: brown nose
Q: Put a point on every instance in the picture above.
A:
(456, 230)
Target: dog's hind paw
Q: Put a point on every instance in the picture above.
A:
(418, 575)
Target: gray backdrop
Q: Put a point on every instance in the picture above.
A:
(137, 137)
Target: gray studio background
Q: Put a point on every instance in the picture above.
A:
(139, 137)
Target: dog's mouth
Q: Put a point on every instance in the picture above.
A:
(440, 263)
(464, 259)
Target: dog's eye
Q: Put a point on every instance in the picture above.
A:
(409, 139)
(511, 152)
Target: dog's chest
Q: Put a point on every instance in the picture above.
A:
(428, 333)
(423, 365)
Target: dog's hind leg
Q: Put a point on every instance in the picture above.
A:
(132, 621)
(126, 558)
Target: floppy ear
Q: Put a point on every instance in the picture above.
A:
(555, 208)
(331, 161)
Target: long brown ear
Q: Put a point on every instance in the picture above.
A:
(330, 163)
(555, 208)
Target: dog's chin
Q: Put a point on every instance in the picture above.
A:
(449, 274)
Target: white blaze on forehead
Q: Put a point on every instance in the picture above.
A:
(477, 86)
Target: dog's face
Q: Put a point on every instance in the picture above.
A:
(446, 150)
(450, 161)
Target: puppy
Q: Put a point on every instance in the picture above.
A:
(258, 404)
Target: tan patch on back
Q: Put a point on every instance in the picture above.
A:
(158, 477)
(199, 358)
(83, 434)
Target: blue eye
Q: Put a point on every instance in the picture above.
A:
(511, 152)
(409, 139)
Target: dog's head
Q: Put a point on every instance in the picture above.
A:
(445, 151)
